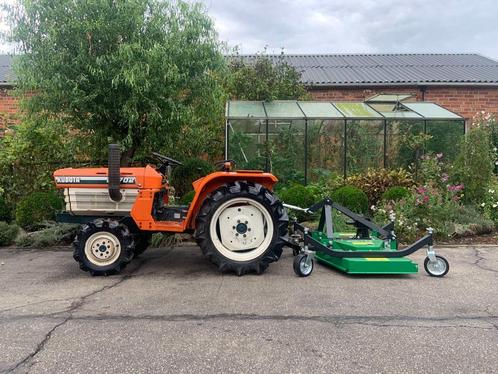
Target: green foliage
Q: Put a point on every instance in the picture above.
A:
(144, 73)
(300, 196)
(5, 210)
(164, 239)
(187, 198)
(264, 79)
(428, 206)
(475, 163)
(192, 169)
(488, 204)
(7, 233)
(56, 234)
(395, 193)
(36, 208)
(32, 151)
(374, 182)
(352, 198)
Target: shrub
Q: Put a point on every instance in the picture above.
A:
(187, 198)
(300, 196)
(352, 198)
(55, 234)
(395, 193)
(7, 233)
(475, 163)
(183, 175)
(376, 181)
(5, 210)
(36, 208)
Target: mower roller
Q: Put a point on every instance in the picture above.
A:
(372, 249)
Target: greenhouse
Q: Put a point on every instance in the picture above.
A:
(302, 141)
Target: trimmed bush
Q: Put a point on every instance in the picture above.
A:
(352, 198)
(395, 193)
(191, 170)
(5, 210)
(7, 233)
(36, 208)
(187, 198)
(374, 182)
(300, 196)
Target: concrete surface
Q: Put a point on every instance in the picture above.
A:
(171, 311)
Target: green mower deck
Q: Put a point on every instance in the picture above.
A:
(362, 265)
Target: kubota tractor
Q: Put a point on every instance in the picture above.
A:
(236, 219)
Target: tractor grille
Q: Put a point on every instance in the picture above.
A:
(96, 201)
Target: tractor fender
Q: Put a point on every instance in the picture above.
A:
(204, 186)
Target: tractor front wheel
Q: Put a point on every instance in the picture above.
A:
(103, 247)
(241, 227)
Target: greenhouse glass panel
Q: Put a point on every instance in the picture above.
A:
(444, 136)
(286, 145)
(283, 109)
(247, 143)
(246, 109)
(405, 143)
(325, 148)
(364, 145)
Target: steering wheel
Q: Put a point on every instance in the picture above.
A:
(222, 165)
(166, 160)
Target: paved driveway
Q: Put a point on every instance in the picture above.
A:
(171, 311)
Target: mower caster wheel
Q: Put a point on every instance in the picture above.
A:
(303, 265)
(438, 268)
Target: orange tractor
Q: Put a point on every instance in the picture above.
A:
(236, 219)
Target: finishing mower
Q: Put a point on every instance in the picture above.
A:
(370, 250)
(238, 222)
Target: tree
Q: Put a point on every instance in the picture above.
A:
(144, 73)
(264, 78)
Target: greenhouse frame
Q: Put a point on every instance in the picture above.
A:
(302, 140)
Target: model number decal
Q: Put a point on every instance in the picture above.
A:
(92, 180)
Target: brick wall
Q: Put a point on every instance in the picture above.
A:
(8, 109)
(466, 101)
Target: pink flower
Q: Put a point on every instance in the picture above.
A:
(444, 178)
(439, 156)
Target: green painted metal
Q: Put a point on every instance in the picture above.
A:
(372, 265)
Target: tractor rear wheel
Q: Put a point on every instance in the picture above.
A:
(241, 227)
(103, 247)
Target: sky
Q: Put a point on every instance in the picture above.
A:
(358, 26)
(352, 26)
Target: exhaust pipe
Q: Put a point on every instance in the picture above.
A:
(113, 174)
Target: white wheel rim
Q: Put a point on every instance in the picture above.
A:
(102, 248)
(241, 229)
(304, 267)
(437, 267)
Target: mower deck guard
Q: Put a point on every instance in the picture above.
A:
(372, 249)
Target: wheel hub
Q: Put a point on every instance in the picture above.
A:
(102, 248)
(241, 228)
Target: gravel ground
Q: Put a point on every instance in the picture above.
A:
(172, 311)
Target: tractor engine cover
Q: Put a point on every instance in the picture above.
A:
(86, 189)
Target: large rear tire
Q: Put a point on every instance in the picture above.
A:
(241, 227)
(103, 247)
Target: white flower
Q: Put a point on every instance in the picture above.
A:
(495, 205)
(372, 208)
(495, 149)
(483, 204)
(491, 191)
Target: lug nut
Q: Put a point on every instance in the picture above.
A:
(244, 235)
